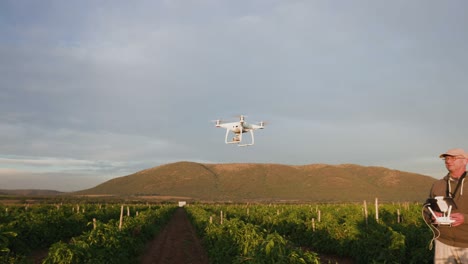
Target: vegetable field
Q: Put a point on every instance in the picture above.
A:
(386, 233)
(230, 233)
(86, 233)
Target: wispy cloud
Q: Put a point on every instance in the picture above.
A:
(93, 88)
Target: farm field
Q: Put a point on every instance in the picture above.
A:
(228, 233)
(79, 233)
(380, 233)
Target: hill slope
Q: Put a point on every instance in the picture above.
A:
(270, 182)
(30, 192)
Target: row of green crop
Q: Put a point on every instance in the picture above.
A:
(102, 212)
(40, 226)
(24, 229)
(399, 235)
(236, 241)
(110, 242)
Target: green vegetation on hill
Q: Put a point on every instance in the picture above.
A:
(270, 182)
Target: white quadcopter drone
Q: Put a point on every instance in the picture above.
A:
(237, 129)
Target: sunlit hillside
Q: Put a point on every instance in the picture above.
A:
(269, 182)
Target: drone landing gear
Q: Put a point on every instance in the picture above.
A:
(237, 139)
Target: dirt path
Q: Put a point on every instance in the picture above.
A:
(177, 243)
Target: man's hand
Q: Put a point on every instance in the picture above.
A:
(458, 217)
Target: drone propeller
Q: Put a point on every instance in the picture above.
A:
(262, 124)
(241, 118)
(217, 121)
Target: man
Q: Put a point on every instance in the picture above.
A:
(452, 244)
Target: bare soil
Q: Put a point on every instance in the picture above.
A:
(177, 243)
(328, 259)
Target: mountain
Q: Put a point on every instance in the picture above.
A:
(269, 182)
(29, 192)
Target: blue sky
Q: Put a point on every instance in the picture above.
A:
(92, 90)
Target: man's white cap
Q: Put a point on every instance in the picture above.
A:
(456, 152)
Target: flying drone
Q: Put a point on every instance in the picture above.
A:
(236, 129)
